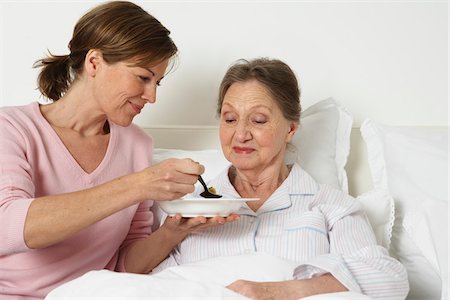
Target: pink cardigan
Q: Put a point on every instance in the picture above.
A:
(34, 162)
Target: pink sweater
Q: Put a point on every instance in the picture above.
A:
(33, 163)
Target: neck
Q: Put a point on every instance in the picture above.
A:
(74, 111)
(260, 185)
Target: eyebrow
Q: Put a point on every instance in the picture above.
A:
(153, 73)
(150, 70)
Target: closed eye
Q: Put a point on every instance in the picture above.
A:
(259, 120)
(228, 117)
(144, 78)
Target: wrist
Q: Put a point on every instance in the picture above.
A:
(132, 188)
(173, 234)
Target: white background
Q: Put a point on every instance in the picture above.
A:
(383, 60)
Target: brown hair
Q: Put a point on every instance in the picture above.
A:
(121, 30)
(275, 75)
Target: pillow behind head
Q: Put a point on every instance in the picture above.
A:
(322, 143)
(411, 164)
(380, 210)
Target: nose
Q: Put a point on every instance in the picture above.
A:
(149, 94)
(242, 133)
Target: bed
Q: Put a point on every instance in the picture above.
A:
(399, 174)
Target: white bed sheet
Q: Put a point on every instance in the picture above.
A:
(205, 279)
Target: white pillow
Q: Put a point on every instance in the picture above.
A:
(322, 143)
(380, 210)
(411, 163)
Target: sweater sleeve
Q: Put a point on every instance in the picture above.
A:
(354, 258)
(16, 188)
(141, 227)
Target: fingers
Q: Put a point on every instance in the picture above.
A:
(184, 225)
(193, 222)
(183, 171)
(209, 221)
(171, 179)
(233, 217)
(200, 222)
(189, 166)
(222, 220)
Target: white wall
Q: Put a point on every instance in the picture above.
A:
(383, 60)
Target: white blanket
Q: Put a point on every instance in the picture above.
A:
(205, 279)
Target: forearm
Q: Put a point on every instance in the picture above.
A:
(297, 289)
(72, 212)
(144, 255)
(326, 283)
(52, 219)
(288, 290)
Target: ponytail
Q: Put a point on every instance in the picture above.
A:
(55, 76)
(121, 30)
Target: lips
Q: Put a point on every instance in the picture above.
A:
(243, 150)
(135, 107)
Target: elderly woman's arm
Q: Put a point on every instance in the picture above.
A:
(291, 289)
(354, 262)
(355, 258)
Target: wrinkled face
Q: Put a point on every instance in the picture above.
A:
(253, 130)
(122, 90)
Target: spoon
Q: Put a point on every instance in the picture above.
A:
(207, 193)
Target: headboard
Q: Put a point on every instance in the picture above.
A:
(206, 137)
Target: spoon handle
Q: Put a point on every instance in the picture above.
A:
(202, 182)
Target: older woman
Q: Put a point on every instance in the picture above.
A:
(296, 218)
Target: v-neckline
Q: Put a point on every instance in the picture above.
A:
(66, 151)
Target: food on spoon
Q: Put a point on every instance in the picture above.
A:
(210, 193)
(211, 189)
(207, 193)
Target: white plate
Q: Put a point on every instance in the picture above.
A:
(207, 207)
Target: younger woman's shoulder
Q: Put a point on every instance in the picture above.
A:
(24, 120)
(19, 112)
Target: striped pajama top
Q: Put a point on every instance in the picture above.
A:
(318, 226)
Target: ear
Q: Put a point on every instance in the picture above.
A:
(293, 126)
(93, 61)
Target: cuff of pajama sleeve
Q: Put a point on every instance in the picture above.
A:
(329, 263)
(13, 225)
